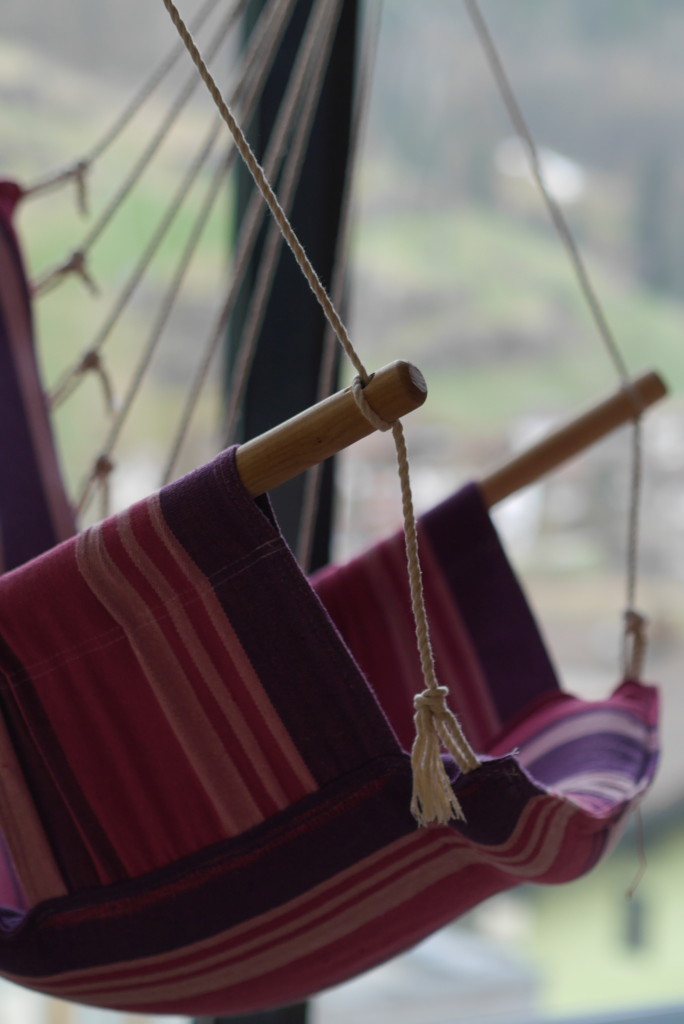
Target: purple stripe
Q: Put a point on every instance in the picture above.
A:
(491, 602)
(311, 679)
(595, 753)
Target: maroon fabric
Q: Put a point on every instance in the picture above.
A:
(34, 510)
(207, 802)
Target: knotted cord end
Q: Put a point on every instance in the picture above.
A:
(76, 264)
(636, 642)
(433, 799)
(92, 363)
(98, 478)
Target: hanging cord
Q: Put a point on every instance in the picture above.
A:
(80, 169)
(76, 262)
(307, 77)
(260, 54)
(262, 45)
(249, 231)
(91, 360)
(433, 798)
(266, 191)
(634, 638)
(328, 367)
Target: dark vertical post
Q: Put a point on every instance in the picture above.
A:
(287, 1015)
(284, 376)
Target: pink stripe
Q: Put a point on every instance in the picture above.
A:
(557, 714)
(359, 902)
(276, 757)
(190, 645)
(370, 603)
(99, 551)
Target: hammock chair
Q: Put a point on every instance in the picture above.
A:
(205, 795)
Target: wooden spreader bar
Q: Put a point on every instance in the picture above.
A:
(326, 428)
(577, 435)
(337, 422)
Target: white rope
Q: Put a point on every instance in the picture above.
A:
(307, 77)
(79, 170)
(433, 798)
(52, 277)
(249, 230)
(633, 648)
(328, 367)
(258, 59)
(70, 379)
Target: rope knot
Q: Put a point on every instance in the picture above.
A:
(636, 641)
(433, 798)
(433, 700)
(76, 264)
(358, 391)
(103, 467)
(92, 363)
(98, 478)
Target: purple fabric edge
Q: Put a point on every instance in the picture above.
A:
(311, 677)
(27, 508)
(491, 602)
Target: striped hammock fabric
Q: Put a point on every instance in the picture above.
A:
(205, 788)
(34, 511)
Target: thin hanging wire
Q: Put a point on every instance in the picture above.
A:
(258, 59)
(256, 56)
(77, 259)
(119, 125)
(633, 621)
(251, 224)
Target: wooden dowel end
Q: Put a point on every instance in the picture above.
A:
(573, 438)
(326, 428)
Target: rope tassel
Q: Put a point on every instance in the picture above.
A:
(437, 727)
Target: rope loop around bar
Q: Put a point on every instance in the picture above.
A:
(358, 389)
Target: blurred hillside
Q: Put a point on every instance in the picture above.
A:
(599, 82)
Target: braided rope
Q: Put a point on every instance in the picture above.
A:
(306, 81)
(605, 333)
(433, 798)
(52, 277)
(80, 169)
(247, 238)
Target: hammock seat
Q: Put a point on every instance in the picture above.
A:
(205, 788)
